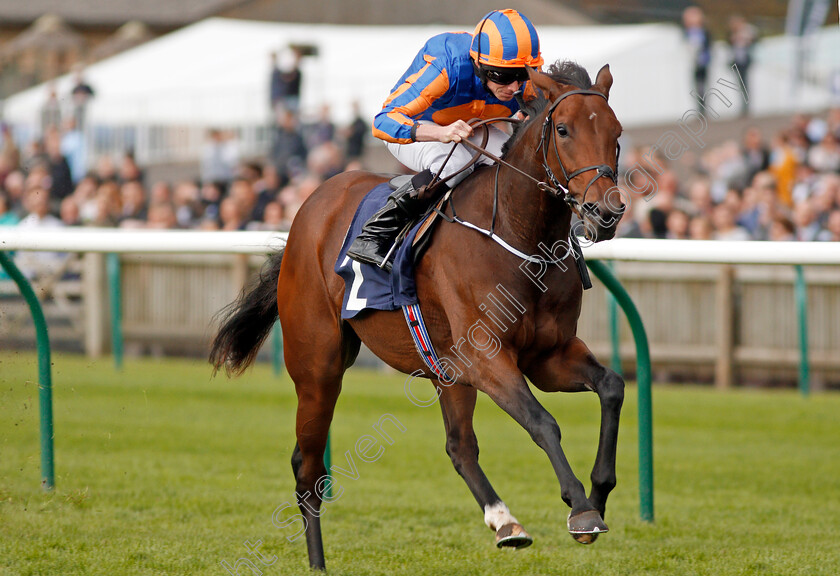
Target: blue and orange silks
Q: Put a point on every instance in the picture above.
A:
(440, 86)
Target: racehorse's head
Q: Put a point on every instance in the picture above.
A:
(579, 145)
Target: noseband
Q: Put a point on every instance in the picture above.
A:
(602, 170)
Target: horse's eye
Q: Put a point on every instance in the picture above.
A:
(562, 131)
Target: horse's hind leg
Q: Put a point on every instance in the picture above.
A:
(458, 405)
(317, 367)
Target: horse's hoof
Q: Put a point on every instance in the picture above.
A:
(586, 526)
(513, 536)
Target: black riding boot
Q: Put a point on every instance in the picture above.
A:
(380, 232)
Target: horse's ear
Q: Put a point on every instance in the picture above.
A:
(549, 87)
(604, 80)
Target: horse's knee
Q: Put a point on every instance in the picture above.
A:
(611, 390)
(545, 430)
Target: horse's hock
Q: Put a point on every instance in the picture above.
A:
(690, 312)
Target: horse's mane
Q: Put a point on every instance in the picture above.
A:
(562, 72)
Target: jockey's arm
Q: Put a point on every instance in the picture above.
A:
(455, 132)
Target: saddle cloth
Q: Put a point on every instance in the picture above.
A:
(368, 287)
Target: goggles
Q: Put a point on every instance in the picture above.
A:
(505, 76)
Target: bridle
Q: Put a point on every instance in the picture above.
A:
(555, 187)
(602, 169)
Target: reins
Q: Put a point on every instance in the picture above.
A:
(558, 189)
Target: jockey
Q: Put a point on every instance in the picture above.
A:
(455, 77)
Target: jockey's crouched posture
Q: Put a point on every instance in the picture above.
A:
(454, 78)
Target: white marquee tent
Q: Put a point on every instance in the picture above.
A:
(216, 72)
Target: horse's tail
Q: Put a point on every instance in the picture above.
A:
(247, 321)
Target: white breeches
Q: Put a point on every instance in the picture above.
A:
(419, 156)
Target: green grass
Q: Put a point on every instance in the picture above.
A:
(162, 470)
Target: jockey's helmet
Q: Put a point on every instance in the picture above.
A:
(505, 39)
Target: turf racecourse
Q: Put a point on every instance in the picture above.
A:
(162, 470)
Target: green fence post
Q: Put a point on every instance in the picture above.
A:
(44, 371)
(643, 382)
(801, 295)
(615, 334)
(115, 293)
(277, 349)
(328, 464)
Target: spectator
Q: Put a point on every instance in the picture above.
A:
(783, 166)
(266, 189)
(807, 227)
(292, 80)
(700, 228)
(725, 227)
(677, 225)
(69, 213)
(699, 40)
(34, 156)
(85, 197)
(246, 199)
(277, 87)
(129, 170)
(74, 149)
(7, 215)
(322, 130)
(832, 230)
(81, 93)
(61, 179)
(108, 205)
(36, 265)
(15, 185)
(105, 169)
(288, 151)
(187, 204)
(162, 216)
(325, 161)
(50, 110)
(161, 192)
(355, 135)
(232, 214)
(742, 36)
(825, 156)
(133, 212)
(210, 196)
(755, 154)
(9, 152)
(782, 230)
(272, 218)
(218, 159)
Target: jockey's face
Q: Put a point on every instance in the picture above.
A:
(504, 92)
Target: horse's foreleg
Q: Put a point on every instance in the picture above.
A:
(575, 369)
(458, 405)
(512, 394)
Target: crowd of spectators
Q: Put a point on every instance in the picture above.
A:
(231, 193)
(786, 187)
(51, 182)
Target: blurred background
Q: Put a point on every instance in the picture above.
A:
(227, 114)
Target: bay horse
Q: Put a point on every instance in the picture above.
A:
(572, 141)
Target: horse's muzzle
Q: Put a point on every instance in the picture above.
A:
(600, 224)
